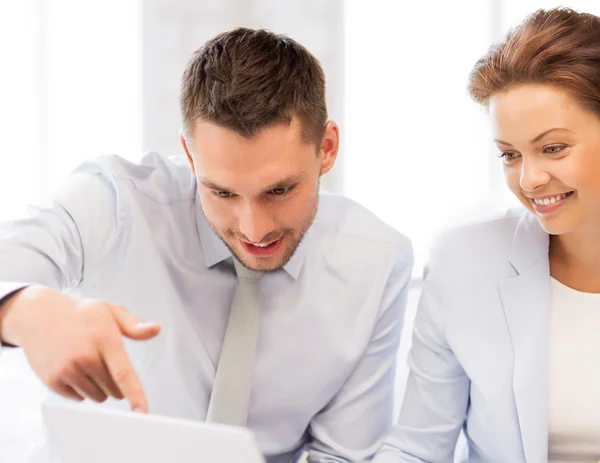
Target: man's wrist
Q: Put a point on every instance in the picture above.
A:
(9, 305)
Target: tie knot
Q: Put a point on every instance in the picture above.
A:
(245, 273)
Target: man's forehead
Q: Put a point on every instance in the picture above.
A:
(206, 129)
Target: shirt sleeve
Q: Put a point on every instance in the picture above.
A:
(437, 391)
(354, 424)
(61, 242)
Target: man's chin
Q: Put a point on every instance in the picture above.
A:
(263, 266)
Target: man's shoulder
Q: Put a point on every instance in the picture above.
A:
(354, 224)
(160, 179)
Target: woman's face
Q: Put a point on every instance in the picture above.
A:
(550, 147)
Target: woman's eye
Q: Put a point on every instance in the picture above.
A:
(554, 149)
(509, 155)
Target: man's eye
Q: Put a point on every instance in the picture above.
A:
(223, 194)
(279, 191)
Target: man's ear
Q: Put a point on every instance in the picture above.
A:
(329, 146)
(185, 146)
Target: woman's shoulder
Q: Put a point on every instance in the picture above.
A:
(479, 245)
(497, 228)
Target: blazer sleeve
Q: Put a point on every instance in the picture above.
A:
(437, 391)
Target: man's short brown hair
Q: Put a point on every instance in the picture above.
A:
(247, 80)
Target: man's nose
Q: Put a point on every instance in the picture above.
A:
(255, 222)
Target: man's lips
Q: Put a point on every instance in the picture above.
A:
(262, 249)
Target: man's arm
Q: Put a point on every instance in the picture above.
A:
(354, 424)
(46, 247)
(75, 346)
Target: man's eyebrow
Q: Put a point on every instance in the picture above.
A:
(212, 185)
(289, 180)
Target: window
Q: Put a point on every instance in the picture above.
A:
(70, 90)
(20, 94)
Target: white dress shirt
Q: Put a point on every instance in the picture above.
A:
(574, 418)
(136, 235)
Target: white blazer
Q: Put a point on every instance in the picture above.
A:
(479, 360)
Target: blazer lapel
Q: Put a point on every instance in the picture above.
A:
(526, 301)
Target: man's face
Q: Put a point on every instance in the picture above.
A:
(260, 194)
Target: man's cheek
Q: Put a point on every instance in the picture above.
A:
(216, 213)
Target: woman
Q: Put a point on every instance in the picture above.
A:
(507, 337)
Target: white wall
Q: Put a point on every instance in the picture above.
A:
(420, 152)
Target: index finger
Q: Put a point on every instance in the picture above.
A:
(121, 370)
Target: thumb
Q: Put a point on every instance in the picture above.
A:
(133, 327)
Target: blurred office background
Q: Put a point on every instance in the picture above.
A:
(81, 78)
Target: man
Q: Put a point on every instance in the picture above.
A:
(300, 346)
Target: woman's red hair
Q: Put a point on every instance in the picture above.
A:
(559, 47)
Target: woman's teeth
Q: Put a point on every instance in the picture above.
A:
(552, 200)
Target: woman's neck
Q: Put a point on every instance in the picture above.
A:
(575, 260)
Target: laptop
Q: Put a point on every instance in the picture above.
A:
(96, 435)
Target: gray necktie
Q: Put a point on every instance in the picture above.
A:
(230, 396)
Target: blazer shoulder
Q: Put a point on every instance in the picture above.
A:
(479, 246)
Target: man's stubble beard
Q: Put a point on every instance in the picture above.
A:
(297, 237)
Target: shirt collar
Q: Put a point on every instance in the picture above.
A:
(216, 251)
